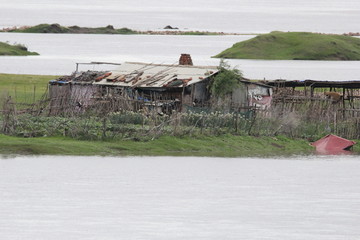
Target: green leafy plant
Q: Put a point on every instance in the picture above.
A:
(226, 80)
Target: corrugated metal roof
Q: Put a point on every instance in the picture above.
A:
(131, 74)
(255, 83)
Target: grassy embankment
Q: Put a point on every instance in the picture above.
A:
(56, 28)
(295, 46)
(219, 146)
(14, 50)
(24, 88)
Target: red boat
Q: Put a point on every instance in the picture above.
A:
(332, 144)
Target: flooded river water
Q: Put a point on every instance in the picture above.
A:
(164, 198)
(313, 198)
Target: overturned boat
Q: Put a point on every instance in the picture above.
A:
(332, 144)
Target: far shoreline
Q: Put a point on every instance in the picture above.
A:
(167, 30)
(59, 29)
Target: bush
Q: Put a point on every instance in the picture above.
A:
(226, 80)
(127, 117)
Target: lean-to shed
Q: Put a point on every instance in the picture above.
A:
(74, 92)
(248, 96)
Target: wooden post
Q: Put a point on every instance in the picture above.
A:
(182, 99)
(192, 92)
(236, 121)
(335, 118)
(343, 103)
(34, 94)
(312, 92)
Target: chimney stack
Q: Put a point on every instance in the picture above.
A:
(185, 59)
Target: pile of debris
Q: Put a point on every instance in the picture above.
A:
(63, 80)
(83, 77)
(91, 76)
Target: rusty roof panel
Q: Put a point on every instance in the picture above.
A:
(132, 74)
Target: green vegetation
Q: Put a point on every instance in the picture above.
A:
(33, 130)
(296, 46)
(56, 28)
(226, 80)
(24, 88)
(220, 146)
(14, 50)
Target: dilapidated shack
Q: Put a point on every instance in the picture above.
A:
(160, 83)
(164, 87)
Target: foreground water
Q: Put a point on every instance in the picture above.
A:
(313, 198)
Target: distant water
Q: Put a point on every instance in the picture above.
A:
(59, 53)
(335, 16)
(111, 198)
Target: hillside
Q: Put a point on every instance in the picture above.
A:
(56, 28)
(14, 50)
(295, 46)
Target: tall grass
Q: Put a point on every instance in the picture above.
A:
(24, 88)
(140, 126)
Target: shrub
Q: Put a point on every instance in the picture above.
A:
(226, 80)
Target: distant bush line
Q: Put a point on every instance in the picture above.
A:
(57, 28)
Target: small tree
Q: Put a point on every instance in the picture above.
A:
(226, 80)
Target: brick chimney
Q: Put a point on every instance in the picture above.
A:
(185, 59)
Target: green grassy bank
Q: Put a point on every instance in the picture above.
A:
(24, 88)
(295, 46)
(57, 28)
(220, 146)
(14, 50)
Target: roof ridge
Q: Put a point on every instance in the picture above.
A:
(171, 65)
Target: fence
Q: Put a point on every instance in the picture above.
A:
(139, 116)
